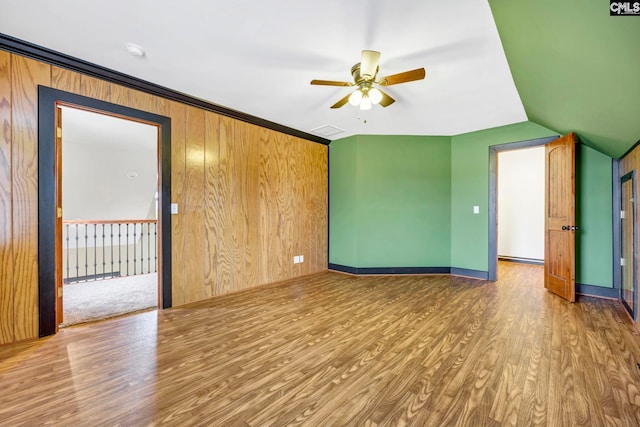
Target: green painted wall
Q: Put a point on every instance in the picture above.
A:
(576, 68)
(407, 201)
(470, 187)
(594, 215)
(343, 206)
(400, 212)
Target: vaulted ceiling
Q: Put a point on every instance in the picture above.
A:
(568, 66)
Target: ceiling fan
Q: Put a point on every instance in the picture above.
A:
(364, 76)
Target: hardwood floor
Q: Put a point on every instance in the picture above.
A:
(333, 349)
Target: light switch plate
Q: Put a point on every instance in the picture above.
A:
(174, 208)
(476, 209)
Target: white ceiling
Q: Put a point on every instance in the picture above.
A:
(259, 57)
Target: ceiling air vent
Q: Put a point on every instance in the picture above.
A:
(327, 130)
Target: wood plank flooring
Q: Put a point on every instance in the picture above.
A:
(333, 349)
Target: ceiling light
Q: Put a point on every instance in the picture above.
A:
(135, 50)
(375, 95)
(365, 104)
(355, 98)
(132, 175)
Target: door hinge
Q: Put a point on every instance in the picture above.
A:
(59, 291)
(59, 132)
(59, 212)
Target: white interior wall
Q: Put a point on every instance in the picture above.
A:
(98, 152)
(521, 203)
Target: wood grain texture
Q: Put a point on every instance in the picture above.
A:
(265, 214)
(142, 101)
(227, 238)
(194, 206)
(66, 80)
(95, 88)
(119, 95)
(322, 232)
(239, 204)
(6, 204)
(178, 116)
(211, 209)
(27, 74)
(250, 169)
(333, 349)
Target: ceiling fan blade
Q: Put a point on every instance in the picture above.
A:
(341, 102)
(369, 64)
(330, 83)
(386, 99)
(407, 76)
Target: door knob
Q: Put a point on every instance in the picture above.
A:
(565, 227)
(574, 228)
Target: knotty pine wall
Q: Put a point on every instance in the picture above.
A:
(629, 163)
(249, 198)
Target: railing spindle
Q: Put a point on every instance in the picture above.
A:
(77, 255)
(111, 246)
(130, 254)
(67, 227)
(95, 251)
(86, 249)
(155, 247)
(127, 249)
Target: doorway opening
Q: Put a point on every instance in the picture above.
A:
(109, 236)
(628, 243)
(50, 243)
(493, 200)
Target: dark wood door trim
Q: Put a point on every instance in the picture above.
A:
(48, 99)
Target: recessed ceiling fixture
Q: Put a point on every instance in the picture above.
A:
(327, 130)
(364, 76)
(135, 50)
(132, 174)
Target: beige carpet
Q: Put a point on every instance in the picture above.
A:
(101, 299)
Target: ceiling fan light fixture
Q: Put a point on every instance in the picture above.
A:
(365, 104)
(355, 98)
(375, 95)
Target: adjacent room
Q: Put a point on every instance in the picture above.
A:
(348, 213)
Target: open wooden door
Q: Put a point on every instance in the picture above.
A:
(58, 196)
(560, 228)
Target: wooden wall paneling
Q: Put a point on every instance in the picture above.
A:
(276, 164)
(177, 112)
(194, 206)
(297, 196)
(95, 88)
(240, 203)
(142, 101)
(285, 201)
(6, 243)
(264, 194)
(211, 208)
(27, 74)
(119, 95)
(66, 80)
(309, 222)
(323, 207)
(226, 193)
(251, 198)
